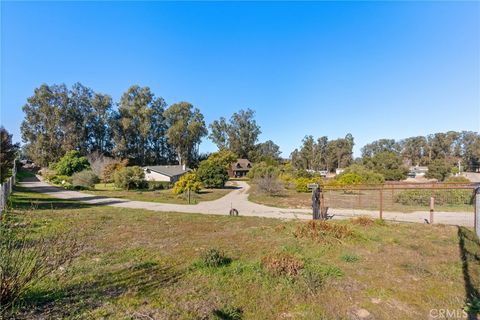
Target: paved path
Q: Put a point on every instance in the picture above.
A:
(238, 199)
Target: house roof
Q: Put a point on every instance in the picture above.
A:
(242, 165)
(169, 171)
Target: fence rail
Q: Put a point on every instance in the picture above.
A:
(6, 189)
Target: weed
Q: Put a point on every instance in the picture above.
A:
(282, 264)
(215, 258)
(228, 313)
(350, 257)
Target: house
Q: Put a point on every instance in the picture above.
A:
(240, 168)
(165, 173)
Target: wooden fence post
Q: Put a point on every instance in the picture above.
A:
(381, 203)
(432, 208)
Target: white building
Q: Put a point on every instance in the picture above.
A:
(165, 173)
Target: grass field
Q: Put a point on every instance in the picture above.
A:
(364, 199)
(138, 264)
(164, 196)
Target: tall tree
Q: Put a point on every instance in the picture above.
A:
(137, 123)
(219, 130)
(240, 135)
(186, 128)
(414, 149)
(265, 151)
(243, 132)
(8, 151)
(43, 128)
(378, 146)
(100, 133)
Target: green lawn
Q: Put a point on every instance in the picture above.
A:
(138, 264)
(164, 196)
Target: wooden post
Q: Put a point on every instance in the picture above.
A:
(393, 197)
(381, 203)
(477, 211)
(189, 190)
(432, 208)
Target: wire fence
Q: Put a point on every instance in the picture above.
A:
(401, 197)
(6, 189)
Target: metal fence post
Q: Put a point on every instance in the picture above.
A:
(477, 211)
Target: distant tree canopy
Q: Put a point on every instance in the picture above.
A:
(450, 147)
(142, 129)
(8, 151)
(323, 154)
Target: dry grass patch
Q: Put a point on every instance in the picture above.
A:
(323, 231)
(282, 264)
(363, 221)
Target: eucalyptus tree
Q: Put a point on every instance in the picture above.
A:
(186, 128)
(139, 126)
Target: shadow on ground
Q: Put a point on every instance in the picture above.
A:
(82, 298)
(469, 245)
(19, 201)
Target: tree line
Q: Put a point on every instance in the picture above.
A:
(323, 154)
(390, 156)
(141, 127)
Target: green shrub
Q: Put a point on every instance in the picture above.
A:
(442, 197)
(186, 182)
(158, 185)
(59, 179)
(262, 169)
(457, 179)
(349, 179)
(85, 179)
(212, 174)
(438, 169)
(301, 184)
(70, 163)
(357, 174)
(215, 258)
(130, 178)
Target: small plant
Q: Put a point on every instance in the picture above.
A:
(380, 222)
(473, 306)
(228, 313)
(84, 179)
(312, 279)
(282, 264)
(350, 257)
(215, 258)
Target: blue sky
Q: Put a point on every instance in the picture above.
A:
(374, 69)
